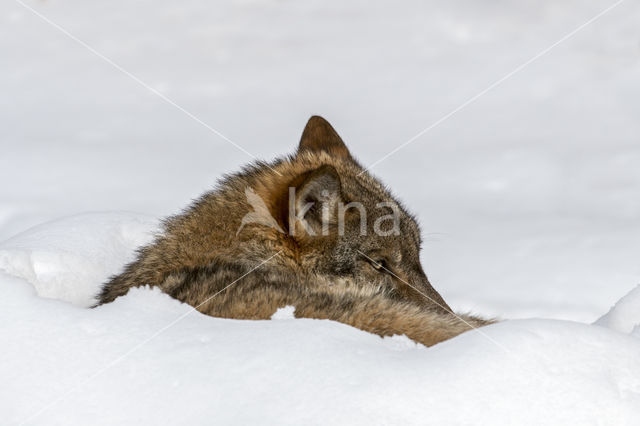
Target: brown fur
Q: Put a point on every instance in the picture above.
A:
(200, 260)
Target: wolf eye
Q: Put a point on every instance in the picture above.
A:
(379, 265)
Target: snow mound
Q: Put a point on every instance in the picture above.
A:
(148, 356)
(284, 313)
(624, 316)
(69, 258)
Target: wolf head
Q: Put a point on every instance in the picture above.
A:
(314, 230)
(317, 216)
(331, 219)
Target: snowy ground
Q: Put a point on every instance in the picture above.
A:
(148, 359)
(529, 199)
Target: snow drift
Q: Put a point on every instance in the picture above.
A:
(147, 358)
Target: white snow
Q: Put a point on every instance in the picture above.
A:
(146, 356)
(284, 313)
(529, 199)
(624, 316)
(60, 257)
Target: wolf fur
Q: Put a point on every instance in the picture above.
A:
(211, 257)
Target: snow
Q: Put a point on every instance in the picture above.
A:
(284, 313)
(529, 199)
(60, 257)
(624, 316)
(147, 356)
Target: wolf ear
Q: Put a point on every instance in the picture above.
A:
(313, 203)
(318, 135)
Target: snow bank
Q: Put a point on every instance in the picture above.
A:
(624, 316)
(68, 258)
(148, 359)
